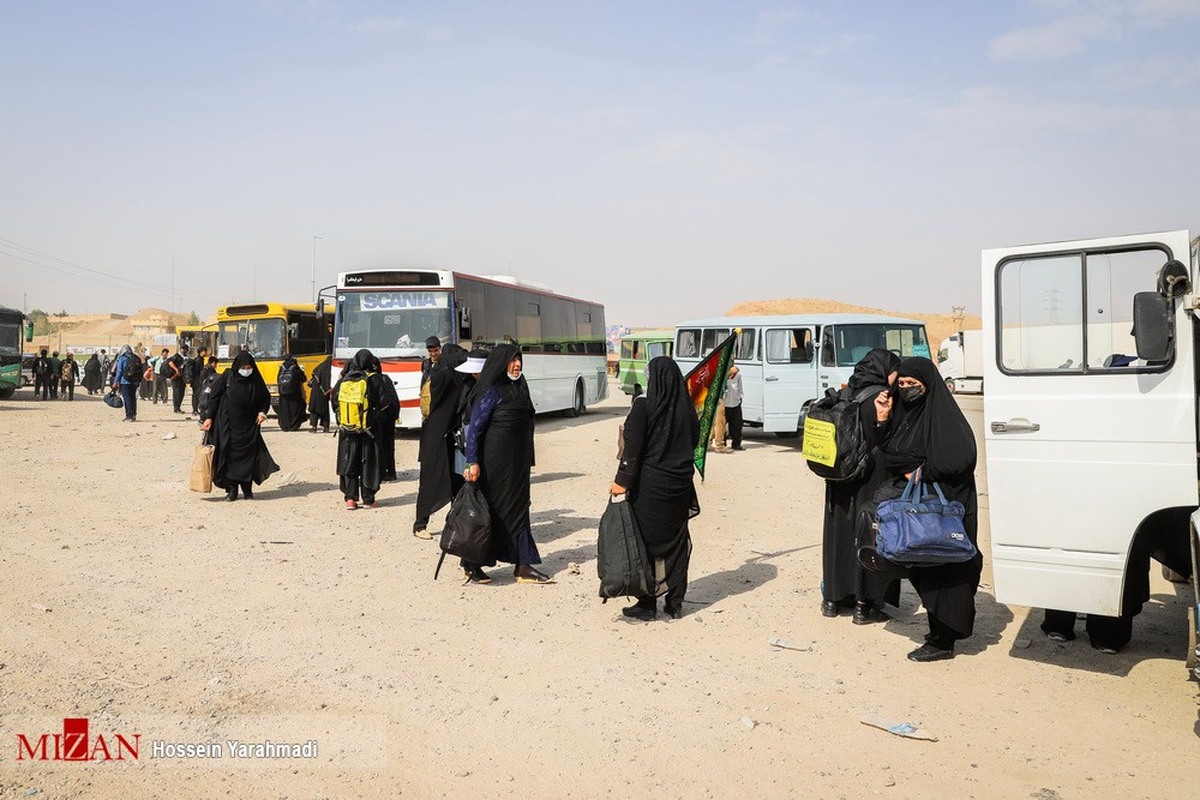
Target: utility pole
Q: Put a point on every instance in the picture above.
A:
(314, 267)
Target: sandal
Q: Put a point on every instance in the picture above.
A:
(534, 577)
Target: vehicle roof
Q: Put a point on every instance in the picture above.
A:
(794, 319)
(656, 333)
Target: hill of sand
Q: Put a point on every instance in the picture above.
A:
(937, 326)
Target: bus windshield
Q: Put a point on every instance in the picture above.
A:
(10, 339)
(264, 338)
(390, 324)
(852, 342)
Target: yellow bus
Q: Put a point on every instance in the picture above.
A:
(272, 331)
(193, 337)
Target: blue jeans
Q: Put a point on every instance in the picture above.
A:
(129, 392)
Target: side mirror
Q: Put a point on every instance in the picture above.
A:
(321, 307)
(1153, 315)
(29, 330)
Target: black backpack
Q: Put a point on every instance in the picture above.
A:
(468, 531)
(189, 371)
(624, 567)
(287, 382)
(164, 369)
(132, 371)
(835, 445)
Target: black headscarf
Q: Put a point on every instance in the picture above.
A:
(495, 373)
(364, 361)
(671, 424)
(931, 431)
(245, 393)
(873, 370)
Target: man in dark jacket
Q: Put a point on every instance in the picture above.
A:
(41, 376)
(193, 376)
(69, 373)
(55, 373)
(176, 365)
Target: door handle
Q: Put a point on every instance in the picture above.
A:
(770, 378)
(1016, 425)
(824, 377)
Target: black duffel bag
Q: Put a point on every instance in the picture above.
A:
(468, 531)
(113, 400)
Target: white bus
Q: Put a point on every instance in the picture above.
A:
(1091, 418)
(393, 312)
(787, 362)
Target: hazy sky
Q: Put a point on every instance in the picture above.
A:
(668, 159)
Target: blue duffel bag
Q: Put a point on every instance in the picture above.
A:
(921, 528)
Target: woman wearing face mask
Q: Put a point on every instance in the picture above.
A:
(845, 583)
(930, 431)
(499, 457)
(237, 407)
(661, 434)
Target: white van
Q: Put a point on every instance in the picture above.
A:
(787, 362)
(1091, 432)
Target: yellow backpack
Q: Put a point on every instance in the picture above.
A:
(426, 399)
(353, 403)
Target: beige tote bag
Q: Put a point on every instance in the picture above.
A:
(201, 479)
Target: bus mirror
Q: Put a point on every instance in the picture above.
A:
(321, 307)
(29, 330)
(1152, 319)
(1173, 279)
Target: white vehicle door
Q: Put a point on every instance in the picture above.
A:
(1083, 440)
(749, 363)
(789, 376)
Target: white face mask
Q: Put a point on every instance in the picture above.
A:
(246, 373)
(514, 371)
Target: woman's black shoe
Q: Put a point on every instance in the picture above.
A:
(638, 611)
(231, 495)
(830, 608)
(865, 615)
(930, 652)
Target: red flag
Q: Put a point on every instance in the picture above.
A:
(706, 385)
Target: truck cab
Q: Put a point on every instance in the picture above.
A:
(1090, 416)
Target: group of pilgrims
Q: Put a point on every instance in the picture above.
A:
(479, 427)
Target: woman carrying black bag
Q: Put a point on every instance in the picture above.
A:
(930, 431)
(438, 481)
(661, 433)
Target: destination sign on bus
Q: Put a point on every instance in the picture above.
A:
(390, 301)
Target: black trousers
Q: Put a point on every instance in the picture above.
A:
(145, 389)
(52, 382)
(177, 390)
(352, 488)
(68, 389)
(40, 391)
(196, 398)
(1108, 632)
(733, 424)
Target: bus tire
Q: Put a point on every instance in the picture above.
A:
(578, 408)
(7, 392)
(950, 385)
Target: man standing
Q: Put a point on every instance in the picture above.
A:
(41, 369)
(192, 376)
(733, 406)
(175, 367)
(69, 372)
(160, 375)
(55, 372)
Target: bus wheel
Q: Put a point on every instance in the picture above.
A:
(950, 384)
(579, 407)
(7, 392)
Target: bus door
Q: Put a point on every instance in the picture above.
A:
(1083, 439)
(789, 376)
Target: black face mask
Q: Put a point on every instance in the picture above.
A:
(911, 394)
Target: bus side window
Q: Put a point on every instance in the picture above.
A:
(689, 343)
(828, 356)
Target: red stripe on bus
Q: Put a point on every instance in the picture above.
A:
(411, 403)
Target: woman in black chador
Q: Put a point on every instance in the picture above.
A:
(661, 434)
(499, 457)
(319, 389)
(358, 458)
(92, 381)
(844, 581)
(237, 407)
(439, 482)
(930, 431)
(291, 404)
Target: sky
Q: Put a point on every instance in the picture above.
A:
(668, 159)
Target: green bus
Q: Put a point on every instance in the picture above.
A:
(637, 348)
(11, 337)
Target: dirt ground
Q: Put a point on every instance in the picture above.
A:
(187, 619)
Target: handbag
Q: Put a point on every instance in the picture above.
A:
(920, 529)
(113, 400)
(201, 478)
(468, 531)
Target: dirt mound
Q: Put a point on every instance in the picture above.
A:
(937, 326)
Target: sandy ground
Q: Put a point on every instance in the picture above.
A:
(183, 618)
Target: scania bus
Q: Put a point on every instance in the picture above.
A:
(271, 331)
(787, 362)
(393, 312)
(11, 336)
